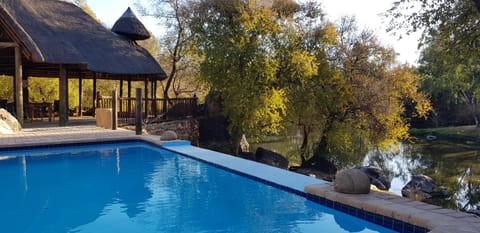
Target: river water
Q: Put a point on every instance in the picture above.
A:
(453, 166)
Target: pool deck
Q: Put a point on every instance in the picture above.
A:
(437, 219)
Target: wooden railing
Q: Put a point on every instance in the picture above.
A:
(171, 109)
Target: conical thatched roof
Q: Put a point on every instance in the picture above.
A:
(52, 32)
(129, 26)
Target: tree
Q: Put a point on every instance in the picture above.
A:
(457, 73)
(451, 38)
(456, 20)
(235, 40)
(174, 14)
(370, 95)
(303, 70)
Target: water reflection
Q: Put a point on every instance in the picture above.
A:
(455, 167)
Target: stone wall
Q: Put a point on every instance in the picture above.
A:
(185, 129)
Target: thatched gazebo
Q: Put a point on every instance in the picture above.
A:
(51, 38)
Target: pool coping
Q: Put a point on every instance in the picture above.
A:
(384, 205)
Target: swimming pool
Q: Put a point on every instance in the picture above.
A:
(138, 187)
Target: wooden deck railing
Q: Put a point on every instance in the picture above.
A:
(176, 108)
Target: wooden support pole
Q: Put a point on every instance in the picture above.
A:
(94, 103)
(155, 106)
(63, 104)
(4, 45)
(26, 113)
(121, 96)
(138, 112)
(146, 98)
(18, 85)
(80, 92)
(114, 110)
(129, 95)
(121, 88)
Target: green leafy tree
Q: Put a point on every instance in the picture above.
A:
(369, 96)
(455, 73)
(453, 19)
(236, 41)
(6, 92)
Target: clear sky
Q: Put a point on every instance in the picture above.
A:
(366, 11)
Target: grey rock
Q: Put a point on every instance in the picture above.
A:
(168, 135)
(423, 188)
(377, 177)
(271, 158)
(351, 181)
(8, 123)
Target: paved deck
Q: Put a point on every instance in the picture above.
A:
(435, 218)
(63, 135)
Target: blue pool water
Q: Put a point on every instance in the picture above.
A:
(137, 187)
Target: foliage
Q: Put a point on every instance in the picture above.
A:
(239, 64)
(454, 73)
(453, 19)
(176, 55)
(6, 92)
(276, 67)
(367, 105)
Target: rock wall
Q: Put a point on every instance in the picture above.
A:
(185, 129)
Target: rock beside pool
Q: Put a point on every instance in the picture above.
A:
(168, 135)
(423, 188)
(377, 177)
(271, 158)
(8, 123)
(351, 181)
(318, 167)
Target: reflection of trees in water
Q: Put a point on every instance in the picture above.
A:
(454, 167)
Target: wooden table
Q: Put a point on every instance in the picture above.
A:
(40, 108)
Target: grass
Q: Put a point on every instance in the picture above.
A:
(469, 135)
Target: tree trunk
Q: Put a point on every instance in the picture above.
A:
(175, 58)
(304, 146)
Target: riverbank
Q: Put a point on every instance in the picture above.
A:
(466, 135)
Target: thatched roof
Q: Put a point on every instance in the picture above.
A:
(129, 26)
(56, 32)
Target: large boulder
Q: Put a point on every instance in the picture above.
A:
(376, 176)
(271, 158)
(8, 123)
(312, 172)
(351, 181)
(423, 188)
(168, 135)
(318, 167)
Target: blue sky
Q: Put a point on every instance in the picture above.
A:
(366, 12)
